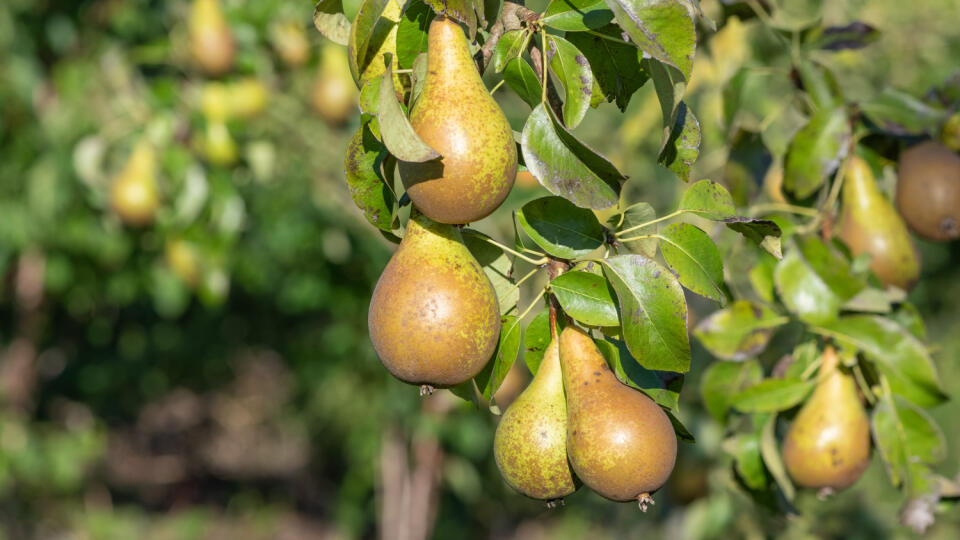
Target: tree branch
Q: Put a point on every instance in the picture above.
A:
(513, 16)
(553, 98)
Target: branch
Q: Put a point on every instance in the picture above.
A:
(552, 96)
(513, 16)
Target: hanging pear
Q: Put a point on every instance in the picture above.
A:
(828, 443)
(334, 96)
(434, 318)
(457, 117)
(134, 195)
(211, 42)
(869, 224)
(621, 444)
(530, 445)
(928, 191)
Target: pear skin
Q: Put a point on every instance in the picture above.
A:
(456, 115)
(621, 444)
(434, 318)
(530, 445)
(869, 224)
(211, 42)
(928, 190)
(134, 195)
(828, 443)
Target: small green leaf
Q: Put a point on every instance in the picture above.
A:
(653, 312)
(816, 151)
(586, 297)
(708, 199)
(614, 62)
(722, 380)
(683, 143)
(577, 15)
(763, 232)
(508, 48)
(535, 340)
(694, 257)
(770, 450)
(523, 80)
(329, 19)
(398, 135)
(412, 33)
(573, 70)
(739, 332)
(368, 188)
(748, 462)
(772, 395)
(567, 167)
(489, 380)
(663, 29)
(560, 228)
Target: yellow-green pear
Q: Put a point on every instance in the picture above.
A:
(211, 42)
(456, 115)
(621, 444)
(530, 445)
(134, 195)
(290, 42)
(218, 145)
(434, 318)
(928, 191)
(828, 443)
(869, 224)
(334, 96)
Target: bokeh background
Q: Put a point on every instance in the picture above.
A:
(210, 375)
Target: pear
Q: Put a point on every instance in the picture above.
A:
(334, 96)
(247, 97)
(218, 145)
(181, 257)
(928, 192)
(530, 445)
(828, 443)
(434, 317)
(621, 444)
(134, 195)
(211, 42)
(869, 224)
(290, 42)
(457, 117)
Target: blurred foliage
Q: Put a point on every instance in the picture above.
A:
(210, 376)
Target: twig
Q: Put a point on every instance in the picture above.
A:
(512, 17)
(553, 98)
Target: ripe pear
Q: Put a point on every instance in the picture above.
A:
(530, 445)
(457, 117)
(134, 195)
(928, 192)
(182, 258)
(247, 97)
(290, 42)
(621, 444)
(211, 42)
(218, 145)
(828, 443)
(434, 317)
(334, 96)
(869, 224)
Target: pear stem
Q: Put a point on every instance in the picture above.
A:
(641, 237)
(864, 387)
(543, 72)
(530, 307)
(524, 278)
(787, 208)
(497, 87)
(649, 223)
(536, 262)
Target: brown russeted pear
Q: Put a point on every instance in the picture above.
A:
(928, 191)
(869, 224)
(530, 445)
(211, 42)
(434, 317)
(456, 115)
(621, 444)
(828, 443)
(134, 195)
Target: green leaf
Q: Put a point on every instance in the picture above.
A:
(398, 135)
(670, 85)
(369, 103)
(803, 292)
(770, 450)
(469, 12)
(496, 265)
(663, 29)
(510, 46)
(329, 19)
(816, 82)
(587, 298)
(898, 355)
(796, 15)
(816, 151)
(899, 113)
(653, 312)
(368, 188)
(638, 214)
(772, 395)
(560, 228)
(904, 435)
(763, 232)
(832, 267)
(615, 64)
(693, 256)
(632, 374)
(412, 33)
(535, 340)
(573, 70)
(748, 462)
(722, 380)
(577, 15)
(491, 377)
(683, 144)
(367, 26)
(567, 167)
(523, 80)
(855, 35)
(761, 277)
(739, 332)
(418, 75)
(708, 199)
